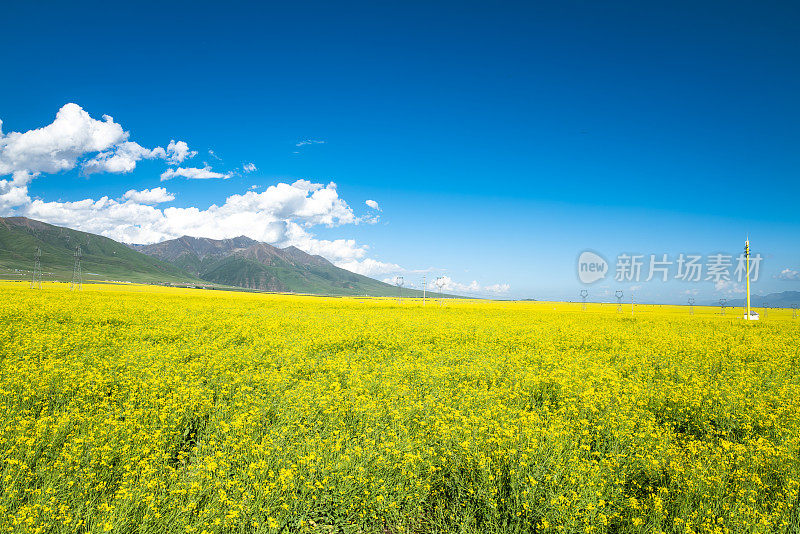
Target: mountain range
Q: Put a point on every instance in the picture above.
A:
(240, 262)
(101, 257)
(245, 262)
(784, 299)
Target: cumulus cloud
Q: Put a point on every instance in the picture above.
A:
(370, 267)
(122, 158)
(308, 186)
(249, 167)
(58, 146)
(178, 151)
(372, 204)
(788, 274)
(14, 191)
(149, 196)
(193, 173)
(67, 142)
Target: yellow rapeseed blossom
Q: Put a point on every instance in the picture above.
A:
(145, 409)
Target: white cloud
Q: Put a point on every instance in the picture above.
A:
(497, 288)
(179, 151)
(729, 287)
(307, 185)
(249, 167)
(149, 196)
(14, 192)
(310, 142)
(448, 284)
(789, 274)
(58, 146)
(121, 159)
(370, 267)
(372, 204)
(73, 135)
(193, 173)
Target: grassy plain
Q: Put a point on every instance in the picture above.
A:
(145, 409)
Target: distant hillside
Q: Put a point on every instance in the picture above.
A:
(785, 299)
(247, 263)
(102, 258)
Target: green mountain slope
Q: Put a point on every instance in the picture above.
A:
(102, 258)
(247, 263)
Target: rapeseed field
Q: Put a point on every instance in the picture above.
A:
(134, 409)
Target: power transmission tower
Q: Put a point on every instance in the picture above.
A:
(77, 276)
(440, 285)
(399, 283)
(36, 281)
(584, 294)
(794, 311)
(766, 307)
(691, 305)
(618, 293)
(722, 304)
(424, 287)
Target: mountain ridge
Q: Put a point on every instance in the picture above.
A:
(224, 263)
(101, 256)
(245, 262)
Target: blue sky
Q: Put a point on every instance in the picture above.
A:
(499, 141)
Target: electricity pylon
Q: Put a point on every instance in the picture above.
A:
(77, 275)
(36, 280)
